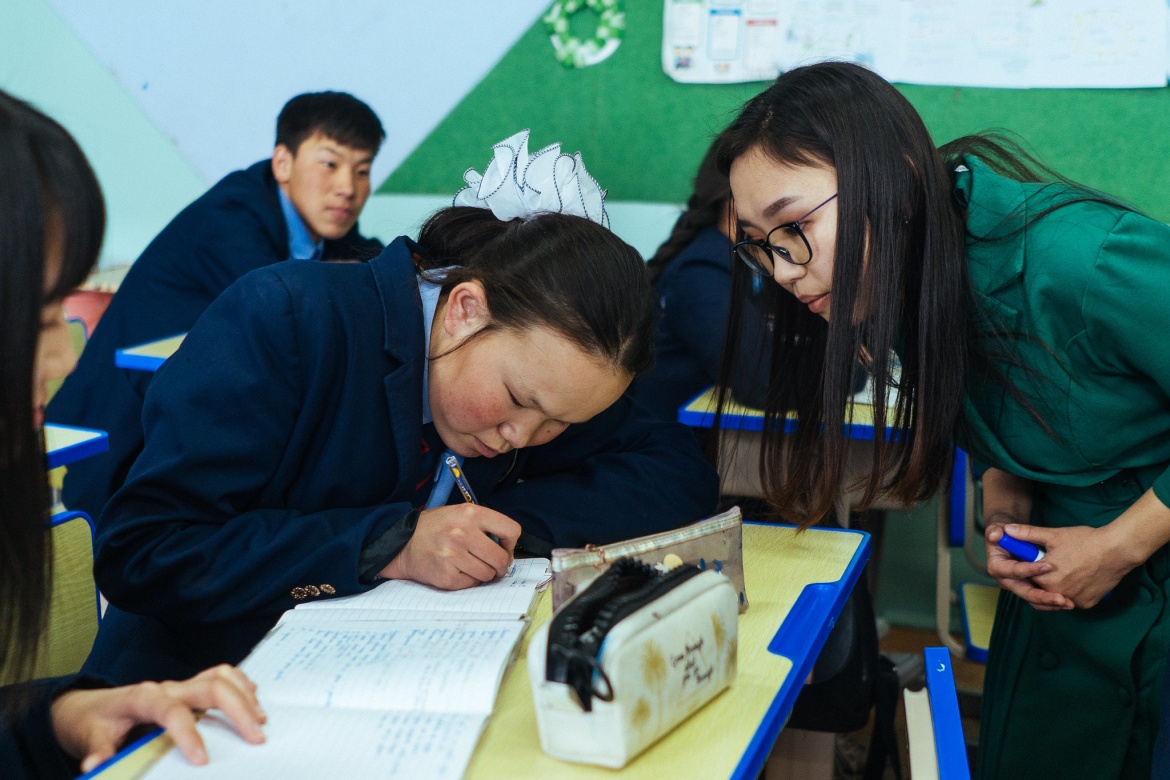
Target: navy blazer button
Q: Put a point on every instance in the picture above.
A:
(328, 589)
(312, 590)
(298, 593)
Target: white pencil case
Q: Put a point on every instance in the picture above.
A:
(630, 657)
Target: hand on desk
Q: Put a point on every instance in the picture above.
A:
(451, 547)
(91, 724)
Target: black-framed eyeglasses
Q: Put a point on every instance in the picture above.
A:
(786, 240)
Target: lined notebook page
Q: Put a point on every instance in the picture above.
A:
(437, 667)
(331, 617)
(511, 595)
(310, 743)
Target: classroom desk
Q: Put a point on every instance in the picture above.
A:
(149, 356)
(65, 444)
(796, 583)
(738, 465)
(741, 439)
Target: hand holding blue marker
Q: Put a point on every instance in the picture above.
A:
(464, 487)
(1025, 551)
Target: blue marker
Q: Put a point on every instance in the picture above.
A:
(464, 487)
(1025, 551)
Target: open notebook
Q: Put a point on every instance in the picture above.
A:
(395, 682)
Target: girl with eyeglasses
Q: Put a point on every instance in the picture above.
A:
(1027, 314)
(51, 222)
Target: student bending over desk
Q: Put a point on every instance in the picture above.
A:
(293, 439)
(1030, 316)
(303, 204)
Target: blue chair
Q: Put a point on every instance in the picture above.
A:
(74, 605)
(956, 528)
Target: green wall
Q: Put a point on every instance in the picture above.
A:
(643, 134)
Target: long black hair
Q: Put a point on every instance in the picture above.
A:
(557, 271)
(46, 187)
(900, 281)
(708, 205)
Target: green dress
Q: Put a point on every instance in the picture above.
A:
(1086, 290)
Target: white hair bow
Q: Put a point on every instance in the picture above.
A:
(519, 185)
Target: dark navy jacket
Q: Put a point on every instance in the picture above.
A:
(694, 294)
(235, 227)
(284, 437)
(28, 747)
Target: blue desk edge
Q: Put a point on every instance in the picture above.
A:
(755, 422)
(97, 444)
(800, 638)
(125, 357)
(950, 746)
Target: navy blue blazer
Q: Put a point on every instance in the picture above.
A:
(28, 746)
(235, 227)
(283, 438)
(694, 295)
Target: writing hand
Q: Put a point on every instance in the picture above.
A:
(451, 547)
(91, 724)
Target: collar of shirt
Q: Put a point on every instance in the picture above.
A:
(300, 244)
(428, 290)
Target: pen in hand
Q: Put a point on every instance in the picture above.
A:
(465, 487)
(1025, 551)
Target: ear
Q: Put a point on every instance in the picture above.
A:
(466, 311)
(282, 161)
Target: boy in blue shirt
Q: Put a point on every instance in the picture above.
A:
(303, 204)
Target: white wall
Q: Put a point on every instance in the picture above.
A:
(153, 157)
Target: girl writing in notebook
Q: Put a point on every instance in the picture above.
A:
(1027, 314)
(292, 443)
(51, 222)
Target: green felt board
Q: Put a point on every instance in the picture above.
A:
(642, 134)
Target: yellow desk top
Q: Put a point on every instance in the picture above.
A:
(699, 412)
(65, 444)
(741, 723)
(148, 356)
